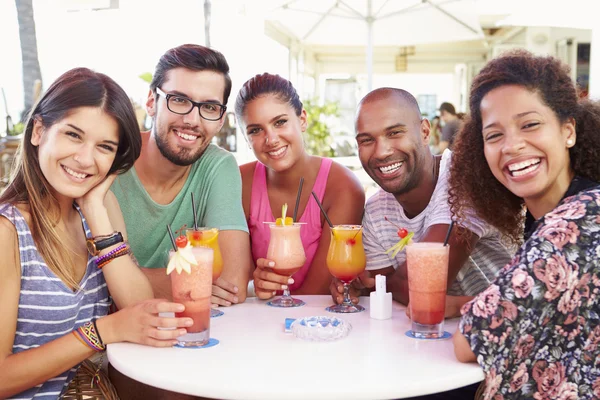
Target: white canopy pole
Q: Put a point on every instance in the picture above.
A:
(369, 20)
(594, 88)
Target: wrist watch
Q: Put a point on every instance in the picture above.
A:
(98, 243)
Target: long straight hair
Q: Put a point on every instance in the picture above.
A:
(79, 87)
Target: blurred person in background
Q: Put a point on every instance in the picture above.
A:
(450, 127)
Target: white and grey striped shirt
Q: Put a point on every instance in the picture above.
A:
(48, 309)
(487, 258)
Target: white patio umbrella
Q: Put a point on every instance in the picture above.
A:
(374, 23)
(578, 14)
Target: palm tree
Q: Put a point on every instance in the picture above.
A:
(29, 53)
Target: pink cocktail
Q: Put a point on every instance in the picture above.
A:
(427, 265)
(193, 290)
(287, 251)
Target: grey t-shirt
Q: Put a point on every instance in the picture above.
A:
(485, 261)
(449, 131)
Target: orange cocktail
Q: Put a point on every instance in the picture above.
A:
(208, 237)
(346, 260)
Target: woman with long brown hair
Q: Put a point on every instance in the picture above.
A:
(65, 257)
(527, 162)
(273, 119)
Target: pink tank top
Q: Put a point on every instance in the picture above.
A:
(260, 211)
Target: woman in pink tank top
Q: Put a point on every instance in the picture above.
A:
(273, 120)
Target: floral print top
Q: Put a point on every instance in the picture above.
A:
(536, 330)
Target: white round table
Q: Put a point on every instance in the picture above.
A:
(256, 359)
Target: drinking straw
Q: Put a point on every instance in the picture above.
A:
(322, 210)
(172, 237)
(194, 212)
(357, 232)
(448, 234)
(298, 198)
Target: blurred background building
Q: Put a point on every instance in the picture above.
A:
(334, 51)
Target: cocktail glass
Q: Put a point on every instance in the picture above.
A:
(427, 265)
(194, 290)
(346, 260)
(208, 237)
(287, 251)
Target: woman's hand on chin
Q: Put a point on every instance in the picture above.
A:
(94, 199)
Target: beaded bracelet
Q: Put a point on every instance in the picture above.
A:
(88, 335)
(117, 254)
(122, 249)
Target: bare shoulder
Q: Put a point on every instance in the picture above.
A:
(247, 171)
(344, 197)
(7, 230)
(343, 179)
(9, 243)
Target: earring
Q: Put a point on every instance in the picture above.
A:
(569, 142)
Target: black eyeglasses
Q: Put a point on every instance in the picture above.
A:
(182, 106)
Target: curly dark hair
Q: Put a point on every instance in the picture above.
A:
(472, 184)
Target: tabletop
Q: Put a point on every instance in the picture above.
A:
(256, 359)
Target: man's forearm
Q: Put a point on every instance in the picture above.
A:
(454, 304)
(398, 287)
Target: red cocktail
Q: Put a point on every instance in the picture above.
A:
(427, 265)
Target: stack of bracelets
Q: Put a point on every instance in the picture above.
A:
(88, 335)
(123, 249)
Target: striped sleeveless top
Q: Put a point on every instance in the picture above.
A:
(48, 309)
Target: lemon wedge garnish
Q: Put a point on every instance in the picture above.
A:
(182, 260)
(204, 238)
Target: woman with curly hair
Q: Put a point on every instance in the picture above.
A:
(528, 158)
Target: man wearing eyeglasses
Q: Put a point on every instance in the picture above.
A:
(187, 103)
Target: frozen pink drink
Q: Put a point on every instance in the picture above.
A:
(427, 265)
(286, 249)
(193, 290)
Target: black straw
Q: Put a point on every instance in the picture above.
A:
(322, 210)
(172, 237)
(298, 198)
(448, 234)
(194, 212)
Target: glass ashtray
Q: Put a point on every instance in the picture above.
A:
(321, 329)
